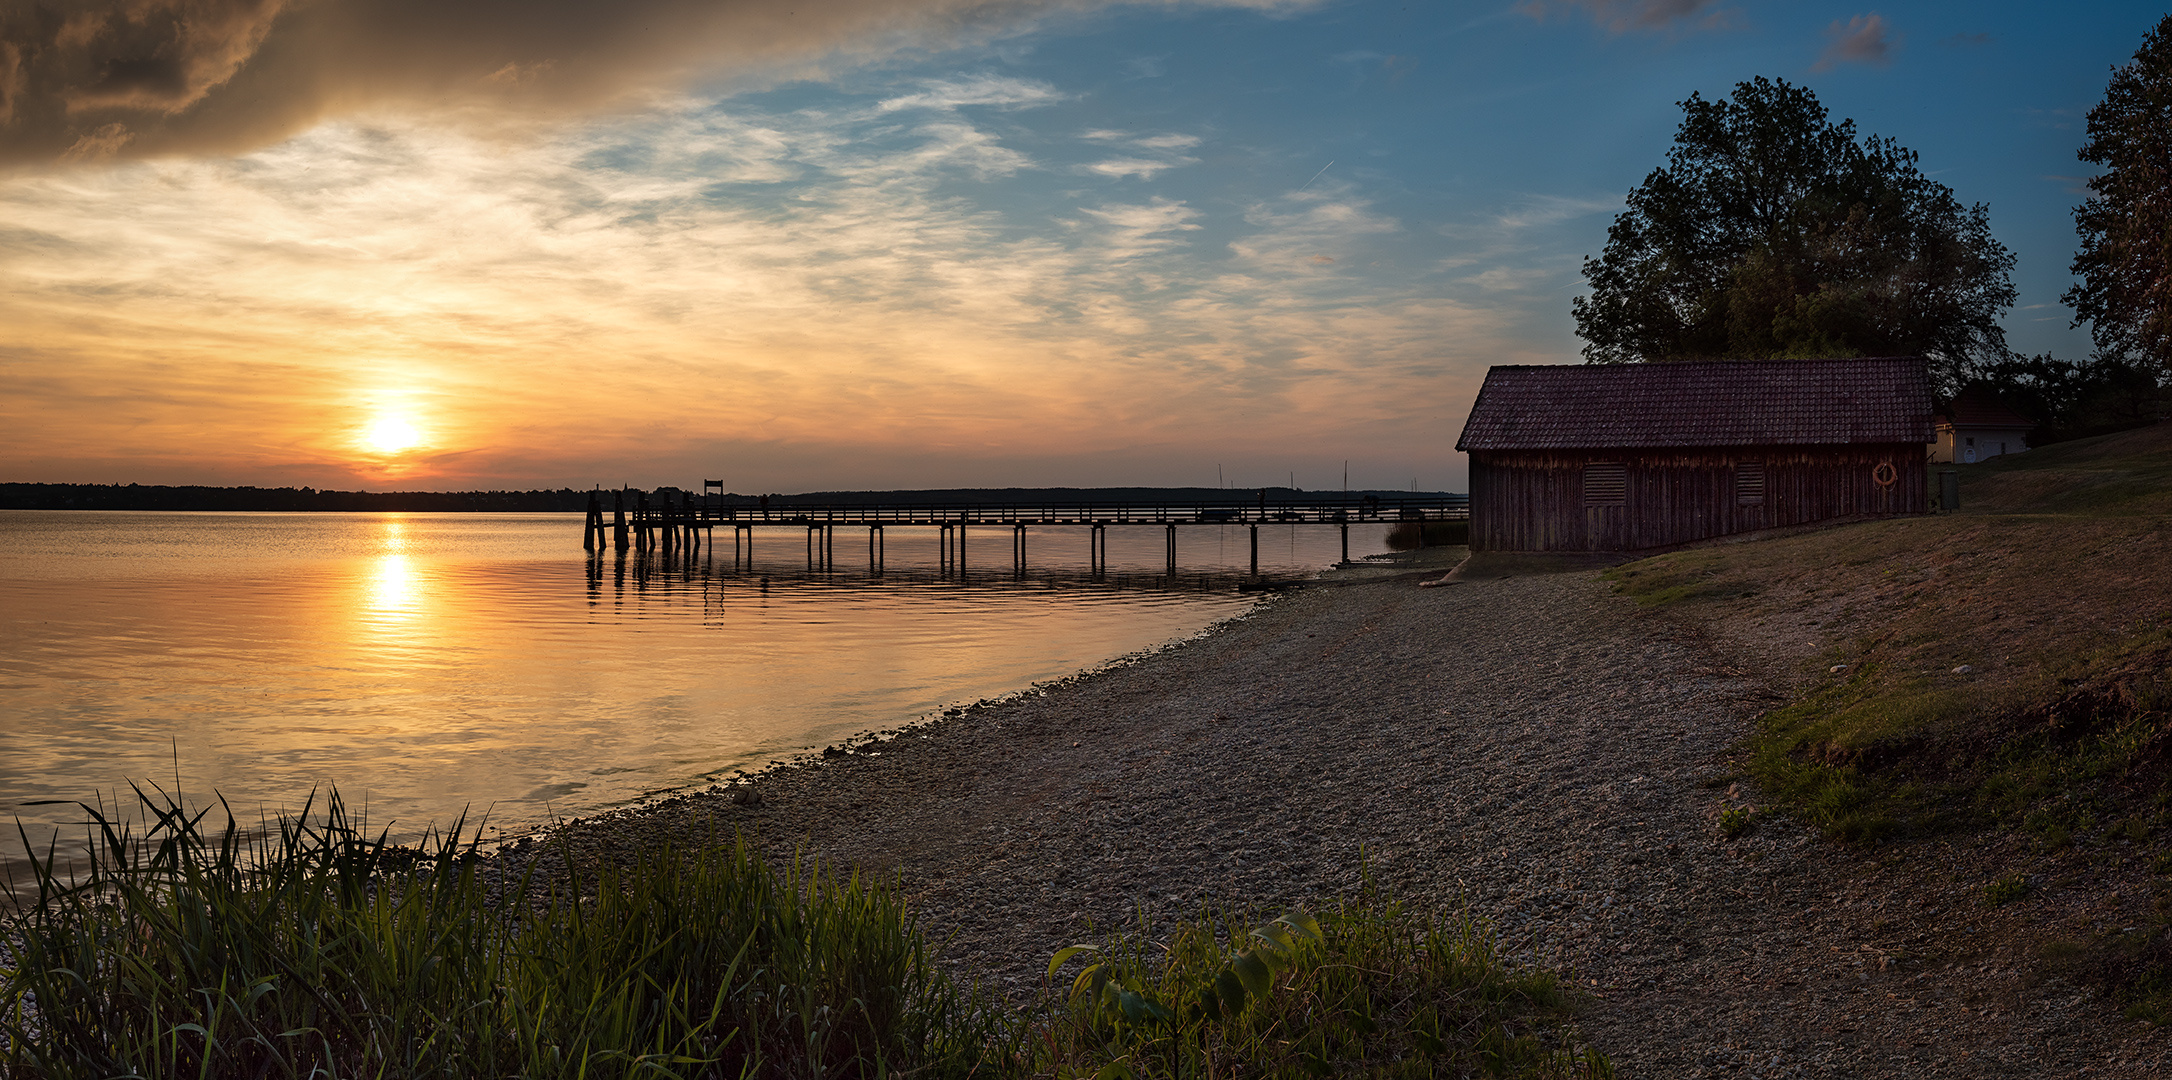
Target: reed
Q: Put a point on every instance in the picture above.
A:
(309, 948)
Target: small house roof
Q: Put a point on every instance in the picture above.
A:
(1973, 408)
(1701, 403)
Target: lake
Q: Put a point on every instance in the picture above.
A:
(428, 664)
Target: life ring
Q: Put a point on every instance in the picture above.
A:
(1885, 474)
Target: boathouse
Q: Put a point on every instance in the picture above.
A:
(1977, 428)
(1627, 457)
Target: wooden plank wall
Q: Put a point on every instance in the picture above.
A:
(1534, 500)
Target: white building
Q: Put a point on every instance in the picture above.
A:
(1977, 428)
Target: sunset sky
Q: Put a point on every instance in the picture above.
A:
(816, 244)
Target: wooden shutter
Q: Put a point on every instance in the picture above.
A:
(1750, 483)
(1606, 483)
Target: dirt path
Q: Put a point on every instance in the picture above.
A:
(1529, 745)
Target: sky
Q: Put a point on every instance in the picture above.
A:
(801, 245)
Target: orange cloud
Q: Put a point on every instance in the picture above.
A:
(220, 76)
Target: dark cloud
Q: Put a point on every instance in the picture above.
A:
(90, 79)
(1863, 39)
(1621, 16)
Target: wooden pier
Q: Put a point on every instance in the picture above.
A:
(691, 522)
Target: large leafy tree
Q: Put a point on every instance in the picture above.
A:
(1773, 232)
(2125, 261)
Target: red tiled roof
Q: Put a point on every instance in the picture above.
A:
(1972, 409)
(1701, 403)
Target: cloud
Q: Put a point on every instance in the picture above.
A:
(1163, 147)
(981, 90)
(1167, 142)
(1543, 210)
(1146, 67)
(1621, 16)
(1862, 40)
(1122, 167)
(225, 76)
(753, 284)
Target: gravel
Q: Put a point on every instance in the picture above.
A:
(1531, 746)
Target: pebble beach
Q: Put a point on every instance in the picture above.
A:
(1533, 747)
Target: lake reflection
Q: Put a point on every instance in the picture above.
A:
(431, 663)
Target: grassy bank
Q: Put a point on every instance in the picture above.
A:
(2003, 669)
(308, 948)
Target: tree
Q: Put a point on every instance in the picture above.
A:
(2125, 261)
(2073, 399)
(1772, 232)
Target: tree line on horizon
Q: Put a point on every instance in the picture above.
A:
(1774, 233)
(34, 496)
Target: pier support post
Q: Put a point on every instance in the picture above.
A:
(1172, 549)
(1018, 549)
(592, 523)
(1345, 542)
(1255, 548)
(619, 540)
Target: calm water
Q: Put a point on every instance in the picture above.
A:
(428, 663)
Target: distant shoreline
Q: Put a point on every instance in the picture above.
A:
(39, 496)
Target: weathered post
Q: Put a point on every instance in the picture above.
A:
(1255, 544)
(619, 539)
(592, 523)
(1172, 549)
(1346, 542)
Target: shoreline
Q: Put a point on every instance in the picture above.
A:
(1534, 747)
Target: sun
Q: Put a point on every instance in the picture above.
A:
(390, 435)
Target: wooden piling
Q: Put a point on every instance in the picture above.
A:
(619, 539)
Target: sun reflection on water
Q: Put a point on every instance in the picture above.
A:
(393, 589)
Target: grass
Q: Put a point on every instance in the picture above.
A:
(1366, 988)
(2006, 669)
(308, 948)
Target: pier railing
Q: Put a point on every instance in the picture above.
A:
(1324, 511)
(693, 520)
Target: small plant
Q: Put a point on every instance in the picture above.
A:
(1736, 820)
(2006, 890)
(1367, 988)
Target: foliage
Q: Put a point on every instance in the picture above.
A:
(1736, 820)
(1368, 988)
(2005, 890)
(2074, 399)
(2125, 260)
(1773, 233)
(310, 949)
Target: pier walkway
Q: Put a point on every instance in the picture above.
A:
(692, 521)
